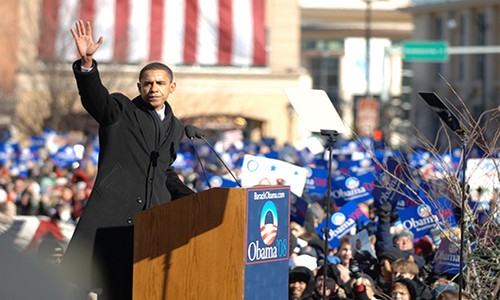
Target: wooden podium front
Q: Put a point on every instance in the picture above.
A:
(217, 244)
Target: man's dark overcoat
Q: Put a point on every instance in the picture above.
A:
(137, 150)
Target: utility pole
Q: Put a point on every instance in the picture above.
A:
(368, 16)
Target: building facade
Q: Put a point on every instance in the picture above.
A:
(364, 80)
(230, 94)
(308, 44)
(470, 77)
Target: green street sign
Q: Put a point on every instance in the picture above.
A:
(425, 51)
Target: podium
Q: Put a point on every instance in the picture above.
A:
(217, 244)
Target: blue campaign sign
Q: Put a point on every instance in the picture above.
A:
(184, 160)
(6, 152)
(267, 244)
(306, 157)
(352, 188)
(389, 186)
(38, 141)
(65, 156)
(341, 223)
(447, 258)
(420, 219)
(344, 166)
(272, 154)
(362, 166)
(443, 210)
(298, 209)
(316, 181)
(218, 181)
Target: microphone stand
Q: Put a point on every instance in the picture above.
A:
(331, 137)
(220, 159)
(464, 139)
(201, 164)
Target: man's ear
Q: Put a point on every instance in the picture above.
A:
(410, 258)
(173, 85)
(139, 86)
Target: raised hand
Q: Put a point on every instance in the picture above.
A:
(85, 42)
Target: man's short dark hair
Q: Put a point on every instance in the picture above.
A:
(157, 66)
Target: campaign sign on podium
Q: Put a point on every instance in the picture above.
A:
(267, 243)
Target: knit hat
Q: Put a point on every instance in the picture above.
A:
(331, 272)
(423, 247)
(302, 274)
(410, 285)
(308, 250)
(442, 285)
(330, 284)
(319, 245)
(391, 254)
(403, 233)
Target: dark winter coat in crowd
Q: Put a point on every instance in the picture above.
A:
(333, 283)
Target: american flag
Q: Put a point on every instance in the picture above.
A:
(179, 32)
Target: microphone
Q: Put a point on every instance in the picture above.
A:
(191, 131)
(195, 132)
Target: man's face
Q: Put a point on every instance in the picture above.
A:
(297, 288)
(155, 87)
(399, 292)
(404, 243)
(320, 285)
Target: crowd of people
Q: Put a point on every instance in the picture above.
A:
(47, 190)
(399, 266)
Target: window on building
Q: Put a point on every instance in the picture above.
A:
(323, 63)
(461, 42)
(481, 41)
(325, 74)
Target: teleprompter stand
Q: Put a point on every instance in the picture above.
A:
(331, 136)
(447, 116)
(318, 115)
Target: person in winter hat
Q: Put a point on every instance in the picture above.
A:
(300, 283)
(404, 289)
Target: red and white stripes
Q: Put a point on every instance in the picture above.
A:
(190, 32)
